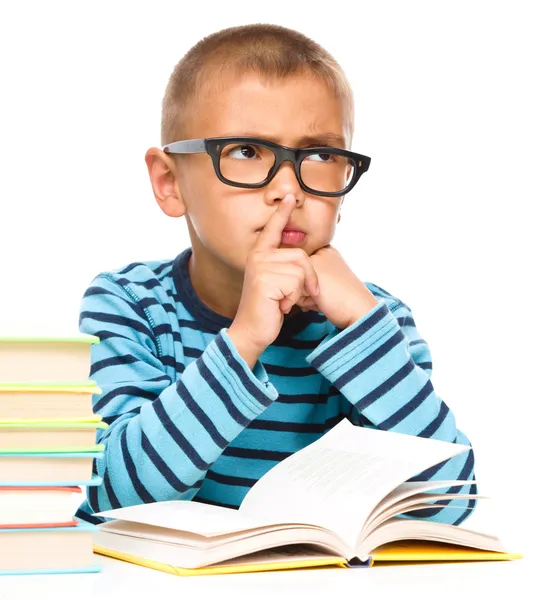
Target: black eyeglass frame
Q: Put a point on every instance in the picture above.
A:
(214, 146)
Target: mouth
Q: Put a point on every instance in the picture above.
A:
(291, 236)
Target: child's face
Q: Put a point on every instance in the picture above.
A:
(225, 220)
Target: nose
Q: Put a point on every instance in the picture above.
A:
(285, 182)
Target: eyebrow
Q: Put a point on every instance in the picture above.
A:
(319, 138)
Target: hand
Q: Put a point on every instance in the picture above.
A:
(344, 298)
(274, 280)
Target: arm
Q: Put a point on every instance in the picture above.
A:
(382, 367)
(163, 435)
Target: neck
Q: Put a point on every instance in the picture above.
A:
(209, 276)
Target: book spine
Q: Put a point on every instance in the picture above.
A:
(356, 563)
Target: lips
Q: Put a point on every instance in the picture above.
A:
(288, 229)
(293, 237)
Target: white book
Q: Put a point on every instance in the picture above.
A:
(40, 505)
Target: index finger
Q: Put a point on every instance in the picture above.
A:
(271, 235)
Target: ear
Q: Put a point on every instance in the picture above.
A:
(162, 172)
(340, 210)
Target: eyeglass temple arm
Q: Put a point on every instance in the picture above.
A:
(186, 146)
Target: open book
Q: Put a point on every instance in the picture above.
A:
(334, 502)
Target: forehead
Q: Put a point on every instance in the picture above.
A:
(283, 110)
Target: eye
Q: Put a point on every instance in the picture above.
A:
(247, 151)
(324, 157)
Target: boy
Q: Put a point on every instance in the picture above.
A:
(251, 344)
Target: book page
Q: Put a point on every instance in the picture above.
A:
(414, 488)
(420, 501)
(294, 551)
(184, 515)
(418, 529)
(338, 480)
(187, 550)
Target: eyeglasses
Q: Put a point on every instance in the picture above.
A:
(251, 162)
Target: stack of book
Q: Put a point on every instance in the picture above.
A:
(48, 434)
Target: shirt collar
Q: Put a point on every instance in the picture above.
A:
(211, 321)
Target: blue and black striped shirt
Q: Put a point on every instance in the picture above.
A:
(190, 420)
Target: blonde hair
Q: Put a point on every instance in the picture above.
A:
(270, 51)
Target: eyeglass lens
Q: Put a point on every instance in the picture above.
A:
(251, 163)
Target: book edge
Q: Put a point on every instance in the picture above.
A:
(212, 570)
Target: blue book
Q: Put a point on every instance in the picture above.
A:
(40, 551)
(95, 480)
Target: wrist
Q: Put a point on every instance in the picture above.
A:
(249, 351)
(363, 309)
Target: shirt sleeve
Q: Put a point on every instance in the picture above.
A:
(382, 367)
(163, 436)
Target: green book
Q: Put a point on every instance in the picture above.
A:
(34, 359)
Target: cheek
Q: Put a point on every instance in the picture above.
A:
(228, 223)
(326, 222)
(219, 212)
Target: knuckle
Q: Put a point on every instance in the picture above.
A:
(301, 255)
(293, 285)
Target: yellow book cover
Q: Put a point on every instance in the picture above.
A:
(419, 551)
(390, 554)
(238, 567)
(93, 422)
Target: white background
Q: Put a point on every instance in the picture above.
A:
(450, 218)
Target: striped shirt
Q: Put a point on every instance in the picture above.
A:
(188, 419)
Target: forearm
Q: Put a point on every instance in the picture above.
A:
(382, 367)
(164, 451)
(387, 380)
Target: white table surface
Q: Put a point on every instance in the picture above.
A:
(120, 580)
(524, 579)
